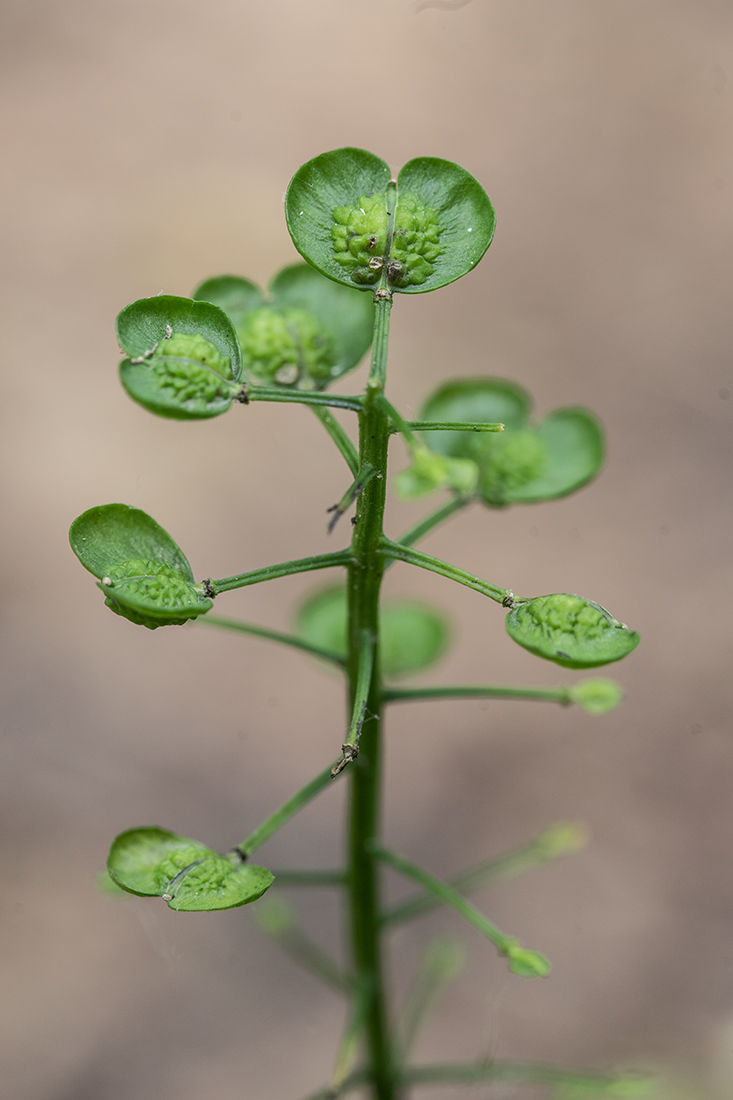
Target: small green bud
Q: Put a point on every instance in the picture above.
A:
(597, 696)
(431, 471)
(527, 964)
(562, 838)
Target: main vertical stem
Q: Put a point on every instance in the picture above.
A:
(364, 580)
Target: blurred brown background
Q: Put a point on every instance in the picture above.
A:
(147, 145)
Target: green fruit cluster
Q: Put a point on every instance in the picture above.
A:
(286, 347)
(360, 240)
(189, 367)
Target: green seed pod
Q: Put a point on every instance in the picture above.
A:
(513, 459)
(285, 347)
(152, 594)
(183, 357)
(571, 631)
(190, 877)
(359, 237)
(527, 964)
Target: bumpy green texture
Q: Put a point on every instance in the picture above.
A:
(152, 594)
(360, 240)
(338, 209)
(144, 575)
(305, 334)
(189, 368)
(512, 461)
(183, 357)
(525, 463)
(429, 472)
(571, 631)
(286, 348)
(190, 877)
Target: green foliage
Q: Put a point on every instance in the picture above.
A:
(190, 877)
(524, 464)
(413, 636)
(143, 573)
(306, 333)
(359, 230)
(353, 225)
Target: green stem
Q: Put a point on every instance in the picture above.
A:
(288, 809)
(349, 1044)
(277, 922)
(553, 842)
(339, 436)
(300, 397)
(442, 961)
(520, 1073)
(447, 426)
(360, 482)
(365, 668)
(353, 1081)
(364, 581)
(419, 530)
(399, 424)
(527, 963)
(272, 636)
(395, 552)
(411, 695)
(528, 1073)
(272, 572)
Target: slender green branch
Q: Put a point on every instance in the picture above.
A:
(310, 878)
(350, 747)
(272, 636)
(528, 1073)
(354, 491)
(351, 1037)
(275, 918)
(354, 1081)
(447, 426)
(399, 424)
(523, 962)
(442, 961)
(288, 809)
(300, 397)
(272, 572)
(413, 695)
(396, 552)
(339, 436)
(597, 1085)
(419, 530)
(555, 841)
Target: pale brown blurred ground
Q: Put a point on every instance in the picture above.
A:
(146, 145)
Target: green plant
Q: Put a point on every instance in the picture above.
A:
(365, 237)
